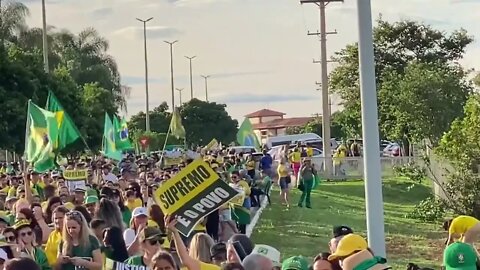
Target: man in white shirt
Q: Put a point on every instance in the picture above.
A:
(108, 176)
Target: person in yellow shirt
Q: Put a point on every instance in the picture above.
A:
(55, 237)
(250, 166)
(132, 201)
(465, 228)
(295, 158)
(283, 181)
(309, 151)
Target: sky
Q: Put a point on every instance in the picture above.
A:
(257, 52)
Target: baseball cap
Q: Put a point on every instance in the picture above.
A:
(80, 189)
(460, 256)
(348, 245)
(20, 224)
(295, 263)
(90, 199)
(341, 230)
(270, 252)
(149, 233)
(139, 211)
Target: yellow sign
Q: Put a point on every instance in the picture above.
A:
(71, 175)
(169, 161)
(192, 194)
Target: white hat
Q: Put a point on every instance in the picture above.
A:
(139, 211)
(270, 252)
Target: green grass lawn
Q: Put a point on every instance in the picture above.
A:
(303, 231)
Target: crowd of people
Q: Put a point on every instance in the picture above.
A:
(46, 223)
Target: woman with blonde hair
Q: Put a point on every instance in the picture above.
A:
(200, 247)
(78, 248)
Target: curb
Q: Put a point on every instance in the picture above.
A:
(256, 217)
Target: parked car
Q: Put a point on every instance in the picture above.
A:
(392, 150)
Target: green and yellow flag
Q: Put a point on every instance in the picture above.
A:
(109, 147)
(40, 136)
(122, 142)
(246, 136)
(67, 131)
(176, 127)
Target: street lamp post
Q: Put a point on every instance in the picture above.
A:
(171, 71)
(179, 95)
(44, 37)
(368, 95)
(191, 75)
(206, 86)
(147, 113)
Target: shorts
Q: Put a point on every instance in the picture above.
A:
(283, 183)
(225, 215)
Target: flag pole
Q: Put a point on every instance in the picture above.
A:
(165, 143)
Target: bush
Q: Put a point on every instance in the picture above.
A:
(428, 210)
(412, 171)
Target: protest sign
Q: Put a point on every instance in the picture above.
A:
(114, 265)
(192, 194)
(75, 179)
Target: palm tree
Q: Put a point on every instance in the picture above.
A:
(86, 57)
(12, 21)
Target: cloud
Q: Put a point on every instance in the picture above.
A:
(195, 3)
(101, 13)
(225, 75)
(133, 32)
(262, 98)
(137, 80)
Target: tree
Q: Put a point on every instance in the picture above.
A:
(460, 145)
(159, 119)
(421, 102)
(12, 20)
(204, 121)
(476, 80)
(397, 46)
(336, 128)
(96, 101)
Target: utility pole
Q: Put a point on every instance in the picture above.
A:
(180, 95)
(44, 37)
(324, 84)
(206, 86)
(191, 75)
(368, 95)
(171, 72)
(147, 113)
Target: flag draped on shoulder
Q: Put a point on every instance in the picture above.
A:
(109, 147)
(40, 137)
(67, 131)
(122, 141)
(176, 127)
(246, 136)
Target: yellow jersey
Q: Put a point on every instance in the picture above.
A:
(461, 224)
(296, 157)
(133, 204)
(205, 266)
(282, 170)
(51, 247)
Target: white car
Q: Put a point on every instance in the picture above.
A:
(392, 150)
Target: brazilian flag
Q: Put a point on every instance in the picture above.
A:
(246, 136)
(122, 142)
(40, 137)
(67, 131)
(109, 147)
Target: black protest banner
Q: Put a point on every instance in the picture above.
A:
(114, 265)
(192, 194)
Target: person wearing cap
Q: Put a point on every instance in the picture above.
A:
(306, 181)
(26, 247)
(460, 256)
(295, 263)
(269, 252)
(464, 228)
(91, 203)
(150, 240)
(338, 233)
(353, 253)
(137, 223)
(79, 195)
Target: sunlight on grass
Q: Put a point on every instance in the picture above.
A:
(303, 231)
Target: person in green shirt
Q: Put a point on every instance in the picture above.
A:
(79, 249)
(26, 247)
(151, 240)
